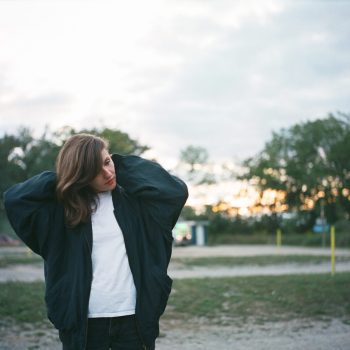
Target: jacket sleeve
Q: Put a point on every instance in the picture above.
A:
(29, 207)
(163, 195)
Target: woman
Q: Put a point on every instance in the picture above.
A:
(103, 225)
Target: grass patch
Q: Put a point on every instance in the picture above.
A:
(224, 301)
(261, 299)
(263, 260)
(22, 302)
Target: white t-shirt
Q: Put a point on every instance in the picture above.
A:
(113, 291)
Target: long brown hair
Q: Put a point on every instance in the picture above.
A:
(78, 163)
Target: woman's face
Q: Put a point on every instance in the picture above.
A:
(105, 179)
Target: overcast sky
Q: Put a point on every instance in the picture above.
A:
(219, 74)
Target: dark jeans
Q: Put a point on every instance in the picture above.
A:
(116, 333)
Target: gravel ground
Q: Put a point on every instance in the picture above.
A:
(292, 335)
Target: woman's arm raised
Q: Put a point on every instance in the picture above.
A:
(29, 206)
(164, 195)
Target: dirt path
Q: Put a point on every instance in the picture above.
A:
(251, 250)
(31, 273)
(272, 270)
(224, 250)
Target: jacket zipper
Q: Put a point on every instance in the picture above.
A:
(87, 308)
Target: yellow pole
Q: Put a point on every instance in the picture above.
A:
(279, 238)
(333, 249)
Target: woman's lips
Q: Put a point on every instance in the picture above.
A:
(110, 181)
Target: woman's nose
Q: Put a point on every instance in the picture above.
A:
(106, 172)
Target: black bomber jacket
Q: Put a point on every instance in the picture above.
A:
(147, 203)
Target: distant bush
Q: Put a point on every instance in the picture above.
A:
(342, 226)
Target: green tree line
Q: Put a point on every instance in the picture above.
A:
(310, 163)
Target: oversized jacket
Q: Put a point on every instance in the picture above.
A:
(147, 203)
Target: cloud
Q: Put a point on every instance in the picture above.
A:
(221, 74)
(254, 78)
(31, 110)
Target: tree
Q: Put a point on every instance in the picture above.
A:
(119, 141)
(195, 160)
(11, 169)
(310, 162)
(194, 156)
